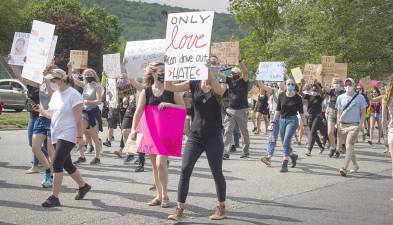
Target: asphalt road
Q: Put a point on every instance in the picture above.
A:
(312, 193)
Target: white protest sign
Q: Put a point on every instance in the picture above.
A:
(79, 59)
(188, 45)
(41, 37)
(138, 55)
(111, 65)
(19, 49)
(111, 92)
(51, 55)
(271, 71)
(297, 74)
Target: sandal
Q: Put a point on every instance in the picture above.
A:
(154, 202)
(165, 203)
(32, 171)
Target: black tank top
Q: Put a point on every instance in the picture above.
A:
(151, 99)
(206, 118)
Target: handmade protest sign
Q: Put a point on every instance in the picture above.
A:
(227, 52)
(341, 70)
(111, 92)
(187, 45)
(111, 65)
(138, 55)
(19, 48)
(328, 63)
(312, 72)
(40, 41)
(162, 131)
(297, 74)
(51, 55)
(78, 59)
(271, 71)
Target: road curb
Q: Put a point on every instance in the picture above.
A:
(11, 129)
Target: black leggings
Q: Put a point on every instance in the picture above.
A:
(315, 124)
(62, 159)
(214, 148)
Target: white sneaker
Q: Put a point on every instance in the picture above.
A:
(355, 169)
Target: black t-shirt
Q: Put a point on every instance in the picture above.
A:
(314, 104)
(151, 99)
(33, 97)
(237, 93)
(289, 106)
(206, 120)
(333, 97)
(263, 104)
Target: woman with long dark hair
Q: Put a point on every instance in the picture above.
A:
(205, 135)
(375, 116)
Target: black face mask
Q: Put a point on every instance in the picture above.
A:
(161, 77)
(90, 79)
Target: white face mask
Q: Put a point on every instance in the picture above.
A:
(54, 86)
(336, 86)
(349, 89)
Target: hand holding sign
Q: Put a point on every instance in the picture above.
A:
(188, 45)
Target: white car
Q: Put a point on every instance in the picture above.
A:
(13, 93)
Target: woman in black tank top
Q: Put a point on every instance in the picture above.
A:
(154, 94)
(205, 135)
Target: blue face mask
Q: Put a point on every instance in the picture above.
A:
(291, 88)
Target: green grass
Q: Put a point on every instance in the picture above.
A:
(14, 119)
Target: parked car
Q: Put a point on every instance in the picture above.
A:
(13, 93)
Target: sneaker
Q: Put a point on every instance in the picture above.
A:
(129, 158)
(219, 214)
(225, 157)
(332, 151)
(107, 144)
(266, 160)
(136, 161)
(95, 161)
(343, 172)
(294, 158)
(82, 192)
(284, 166)
(52, 201)
(253, 130)
(233, 148)
(90, 148)
(308, 153)
(139, 169)
(178, 215)
(48, 181)
(370, 142)
(321, 150)
(80, 160)
(355, 169)
(245, 155)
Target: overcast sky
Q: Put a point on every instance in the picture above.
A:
(214, 5)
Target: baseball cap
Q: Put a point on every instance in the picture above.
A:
(56, 73)
(350, 80)
(236, 70)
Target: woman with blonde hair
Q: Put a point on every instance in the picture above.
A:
(154, 94)
(92, 98)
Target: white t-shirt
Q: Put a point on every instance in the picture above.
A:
(63, 125)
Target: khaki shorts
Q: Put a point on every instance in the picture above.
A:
(351, 130)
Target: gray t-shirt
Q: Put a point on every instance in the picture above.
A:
(354, 111)
(44, 96)
(90, 93)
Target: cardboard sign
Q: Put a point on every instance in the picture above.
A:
(38, 51)
(111, 92)
(78, 59)
(271, 71)
(111, 65)
(52, 50)
(138, 55)
(312, 72)
(227, 52)
(297, 74)
(19, 49)
(187, 45)
(162, 131)
(328, 63)
(341, 70)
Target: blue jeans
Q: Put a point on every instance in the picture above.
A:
(30, 127)
(236, 134)
(288, 128)
(273, 138)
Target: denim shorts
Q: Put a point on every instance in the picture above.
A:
(376, 116)
(42, 126)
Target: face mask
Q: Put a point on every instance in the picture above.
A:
(236, 76)
(90, 79)
(54, 86)
(336, 86)
(349, 89)
(290, 88)
(161, 77)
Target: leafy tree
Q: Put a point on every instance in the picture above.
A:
(10, 17)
